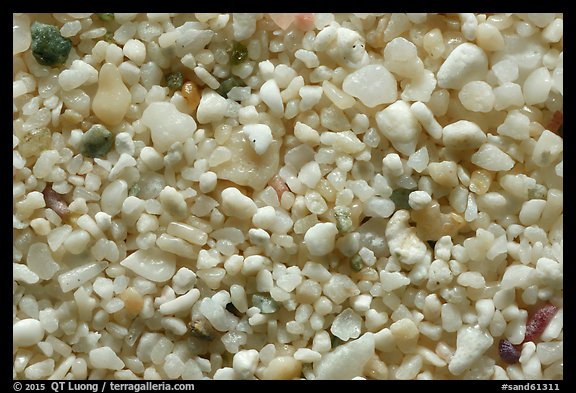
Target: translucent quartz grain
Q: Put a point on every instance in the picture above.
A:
(21, 38)
(152, 264)
(112, 99)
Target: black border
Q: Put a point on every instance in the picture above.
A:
(445, 6)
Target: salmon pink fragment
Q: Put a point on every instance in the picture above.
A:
(283, 20)
(305, 22)
(556, 122)
(541, 318)
(55, 202)
(279, 185)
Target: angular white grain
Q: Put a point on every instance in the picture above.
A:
(181, 303)
(105, 358)
(346, 325)
(270, 94)
(76, 277)
(492, 158)
(466, 63)
(372, 84)
(399, 125)
(168, 125)
(259, 136)
(471, 343)
(347, 360)
(153, 264)
(320, 238)
(41, 262)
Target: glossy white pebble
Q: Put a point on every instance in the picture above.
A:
(27, 332)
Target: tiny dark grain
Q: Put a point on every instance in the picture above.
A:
(508, 352)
